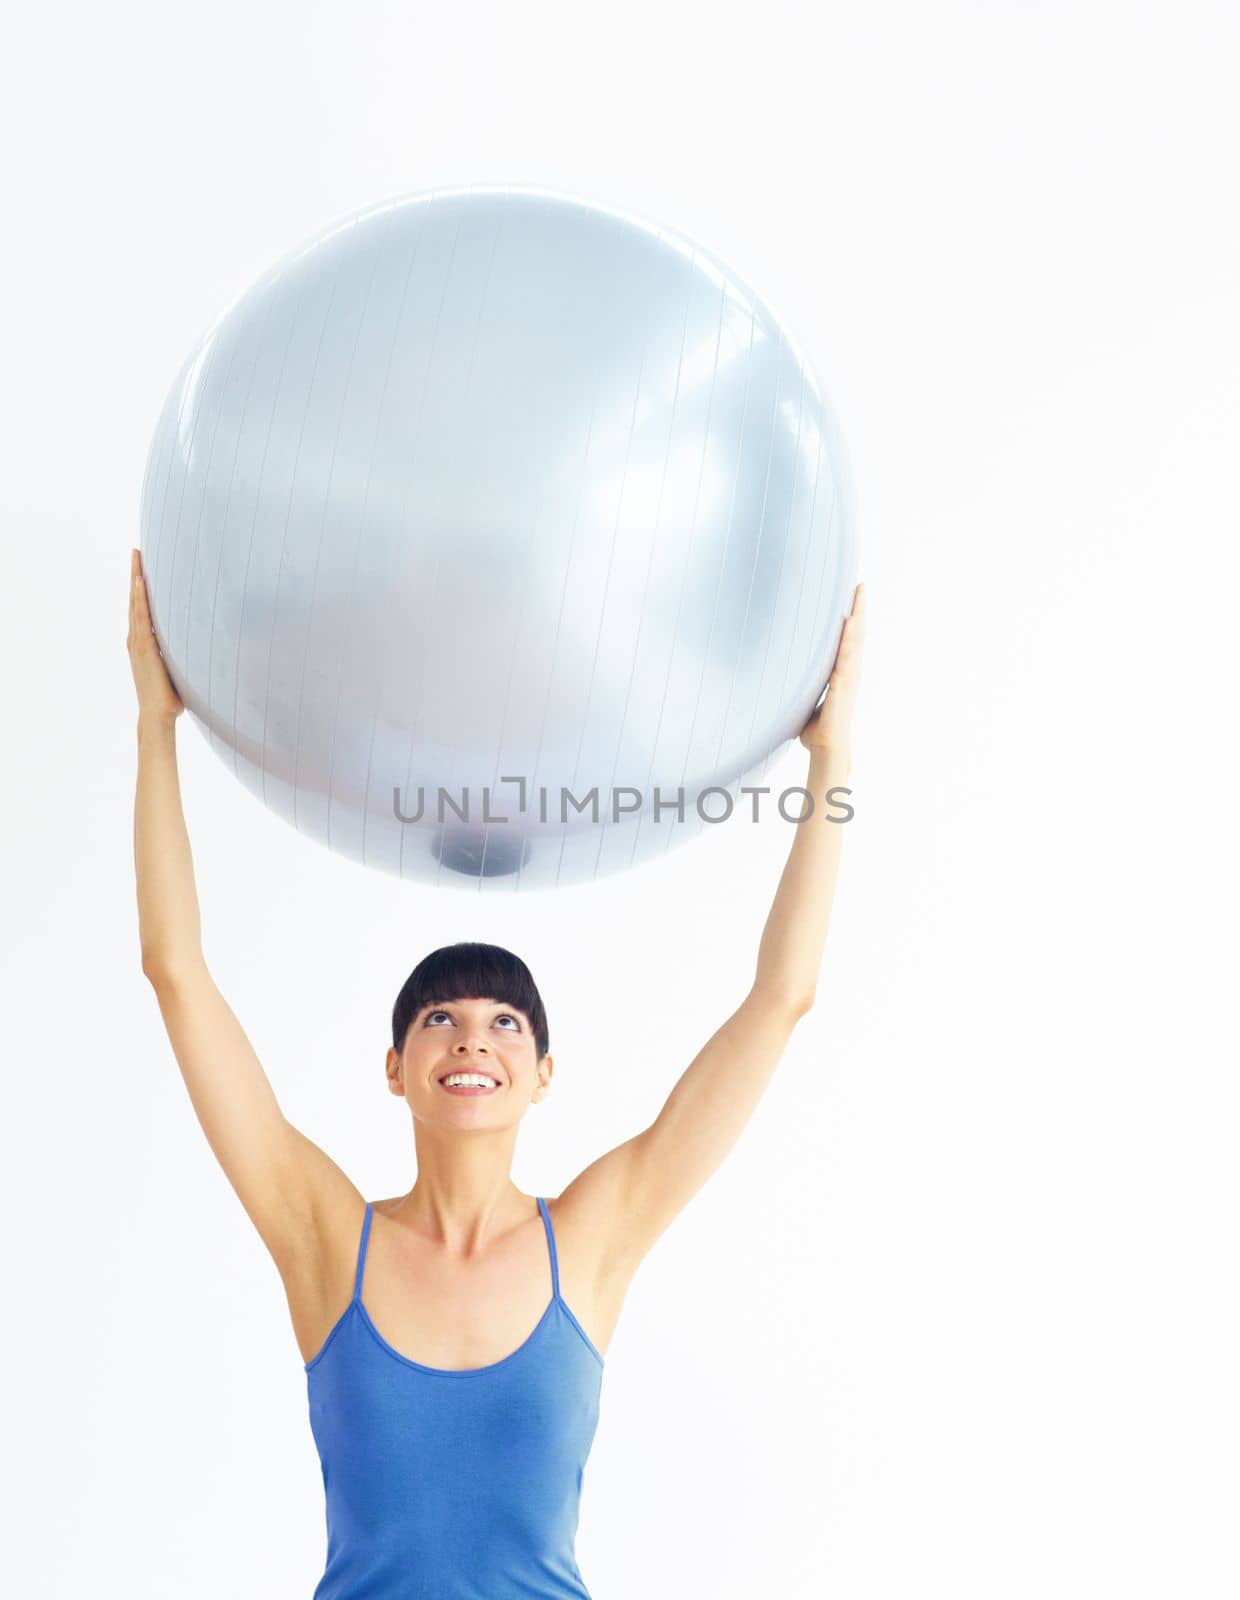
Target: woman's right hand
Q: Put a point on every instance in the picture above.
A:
(156, 695)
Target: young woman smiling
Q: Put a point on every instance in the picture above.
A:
(454, 1336)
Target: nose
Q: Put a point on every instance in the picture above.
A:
(471, 1046)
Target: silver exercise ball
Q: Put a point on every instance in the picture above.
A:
(493, 490)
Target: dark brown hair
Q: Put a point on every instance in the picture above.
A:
(471, 972)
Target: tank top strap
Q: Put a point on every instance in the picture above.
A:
(555, 1266)
(361, 1253)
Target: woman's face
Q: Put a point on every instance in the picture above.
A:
(475, 1037)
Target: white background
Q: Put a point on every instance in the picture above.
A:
(959, 1315)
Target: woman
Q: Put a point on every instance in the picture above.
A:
(452, 1437)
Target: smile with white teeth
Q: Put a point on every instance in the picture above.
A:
(469, 1080)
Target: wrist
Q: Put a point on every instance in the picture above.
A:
(156, 724)
(832, 763)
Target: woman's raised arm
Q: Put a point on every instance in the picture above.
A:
(630, 1195)
(284, 1181)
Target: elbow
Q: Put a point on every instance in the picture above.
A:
(799, 1001)
(794, 1002)
(154, 966)
(158, 967)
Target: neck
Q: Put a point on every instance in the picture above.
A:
(464, 1195)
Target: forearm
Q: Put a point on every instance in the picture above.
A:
(168, 920)
(795, 935)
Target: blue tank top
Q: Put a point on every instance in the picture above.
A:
(453, 1485)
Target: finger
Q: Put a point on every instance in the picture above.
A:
(853, 630)
(139, 612)
(846, 658)
(850, 633)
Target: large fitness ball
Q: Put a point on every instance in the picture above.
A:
(489, 529)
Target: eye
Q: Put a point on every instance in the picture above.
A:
(502, 1016)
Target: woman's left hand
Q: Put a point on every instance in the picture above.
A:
(830, 726)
